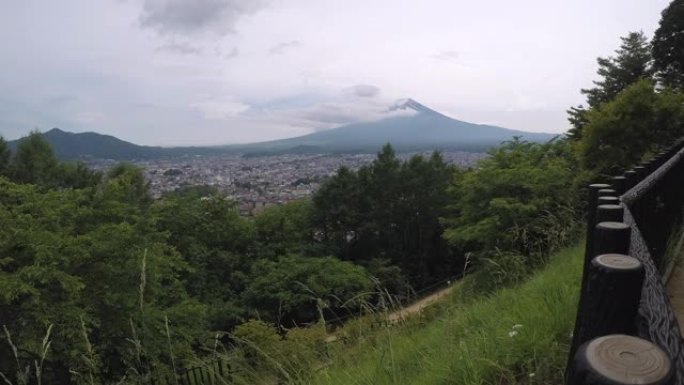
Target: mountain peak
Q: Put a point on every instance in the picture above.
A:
(56, 131)
(410, 105)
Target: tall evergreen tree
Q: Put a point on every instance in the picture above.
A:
(668, 45)
(631, 63)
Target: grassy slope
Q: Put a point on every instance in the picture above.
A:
(476, 342)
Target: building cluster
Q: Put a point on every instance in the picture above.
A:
(258, 182)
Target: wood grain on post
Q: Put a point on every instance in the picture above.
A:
(621, 359)
(610, 213)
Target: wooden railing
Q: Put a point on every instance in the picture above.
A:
(626, 331)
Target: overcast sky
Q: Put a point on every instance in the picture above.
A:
(172, 72)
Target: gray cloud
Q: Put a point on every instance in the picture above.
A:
(229, 55)
(366, 90)
(335, 113)
(180, 48)
(280, 48)
(187, 17)
(451, 56)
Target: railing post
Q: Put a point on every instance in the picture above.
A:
(611, 301)
(611, 237)
(607, 200)
(631, 179)
(620, 359)
(607, 237)
(592, 203)
(610, 213)
(641, 172)
(619, 183)
(613, 294)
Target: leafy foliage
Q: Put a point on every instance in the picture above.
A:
(34, 161)
(64, 263)
(285, 230)
(518, 202)
(298, 288)
(637, 121)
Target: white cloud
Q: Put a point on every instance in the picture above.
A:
(366, 90)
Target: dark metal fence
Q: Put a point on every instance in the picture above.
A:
(626, 331)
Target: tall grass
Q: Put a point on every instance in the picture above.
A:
(516, 335)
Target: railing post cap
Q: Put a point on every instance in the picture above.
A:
(615, 261)
(610, 206)
(612, 226)
(622, 359)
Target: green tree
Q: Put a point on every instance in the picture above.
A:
(338, 212)
(386, 215)
(284, 229)
(668, 45)
(5, 155)
(293, 290)
(34, 161)
(637, 121)
(206, 229)
(632, 61)
(126, 183)
(64, 263)
(77, 175)
(518, 200)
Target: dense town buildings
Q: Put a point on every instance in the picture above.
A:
(258, 182)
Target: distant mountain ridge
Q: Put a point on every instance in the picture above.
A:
(92, 145)
(421, 129)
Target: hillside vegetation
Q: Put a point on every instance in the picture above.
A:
(516, 335)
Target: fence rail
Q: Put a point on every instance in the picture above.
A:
(626, 331)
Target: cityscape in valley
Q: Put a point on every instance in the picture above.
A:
(258, 182)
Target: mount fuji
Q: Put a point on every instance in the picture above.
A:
(419, 128)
